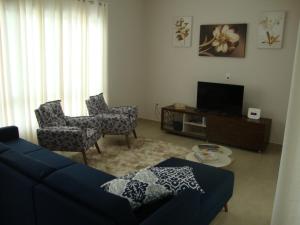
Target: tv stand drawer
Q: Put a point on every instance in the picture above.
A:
(239, 131)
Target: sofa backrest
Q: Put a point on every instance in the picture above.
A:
(19, 175)
(35, 188)
(82, 185)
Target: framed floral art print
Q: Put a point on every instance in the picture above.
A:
(223, 40)
(270, 29)
(182, 32)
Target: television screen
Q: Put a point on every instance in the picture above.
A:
(220, 98)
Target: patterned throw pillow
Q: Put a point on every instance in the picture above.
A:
(151, 184)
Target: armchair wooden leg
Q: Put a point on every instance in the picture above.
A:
(134, 133)
(127, 140)
(84, 157)
(97, 147)
(226, 207)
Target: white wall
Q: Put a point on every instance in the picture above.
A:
(287, 200)
(125, 47)
(171, 74)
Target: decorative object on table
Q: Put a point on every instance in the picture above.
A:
(182, 34)
(63, 133)
(179, 106)
(212, 147)
(270, 29)
(120, 120)
(254, 113)
(152, 184)
(210, 155)
(206, 155)
(225, 40)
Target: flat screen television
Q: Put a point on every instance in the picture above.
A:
(220, 98)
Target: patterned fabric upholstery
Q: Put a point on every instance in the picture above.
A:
(115, 120)
(63, 133)
(152, 184)
(99, 103)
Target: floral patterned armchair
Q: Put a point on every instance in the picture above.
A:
(63, 133)
(120, 120)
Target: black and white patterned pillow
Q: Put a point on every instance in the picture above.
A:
(151, 184)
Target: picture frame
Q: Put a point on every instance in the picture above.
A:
(270, 29)
(182, 31)
(223, 40)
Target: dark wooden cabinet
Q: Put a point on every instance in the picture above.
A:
(234, 131)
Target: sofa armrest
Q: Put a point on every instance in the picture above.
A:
(9, 133)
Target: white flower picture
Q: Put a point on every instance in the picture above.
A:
(182, 31)
(224, 40)
(270, 29)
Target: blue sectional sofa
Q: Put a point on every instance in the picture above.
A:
(39, 187)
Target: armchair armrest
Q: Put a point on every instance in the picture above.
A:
(9, 133)
(84, 122)
(131, 110)
(62, 138)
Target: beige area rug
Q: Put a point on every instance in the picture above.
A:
(118, 160)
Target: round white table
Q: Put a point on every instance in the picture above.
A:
(222, 154)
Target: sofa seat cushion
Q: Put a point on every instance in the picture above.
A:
(152, 184)
(25, 164)
(3, 147)
(209, 177)
(22, 146)
(82, 184)
(197, 208)
(51, 159)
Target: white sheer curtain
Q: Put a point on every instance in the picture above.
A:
(49, 49)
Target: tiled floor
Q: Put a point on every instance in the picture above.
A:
(255, 178)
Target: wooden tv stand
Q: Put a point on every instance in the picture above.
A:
(238, 131)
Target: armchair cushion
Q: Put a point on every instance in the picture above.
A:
(113, 123)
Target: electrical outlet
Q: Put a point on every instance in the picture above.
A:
(228, 75)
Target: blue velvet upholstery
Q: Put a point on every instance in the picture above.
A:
(3, 147)
(197, 209)
(22, 146)
(53, 208)
(9, 133)
(26, 164)
(16, 197)
(83, 183)
(51, 159)
(39, 187)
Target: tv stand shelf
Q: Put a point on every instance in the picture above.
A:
(238, 131)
